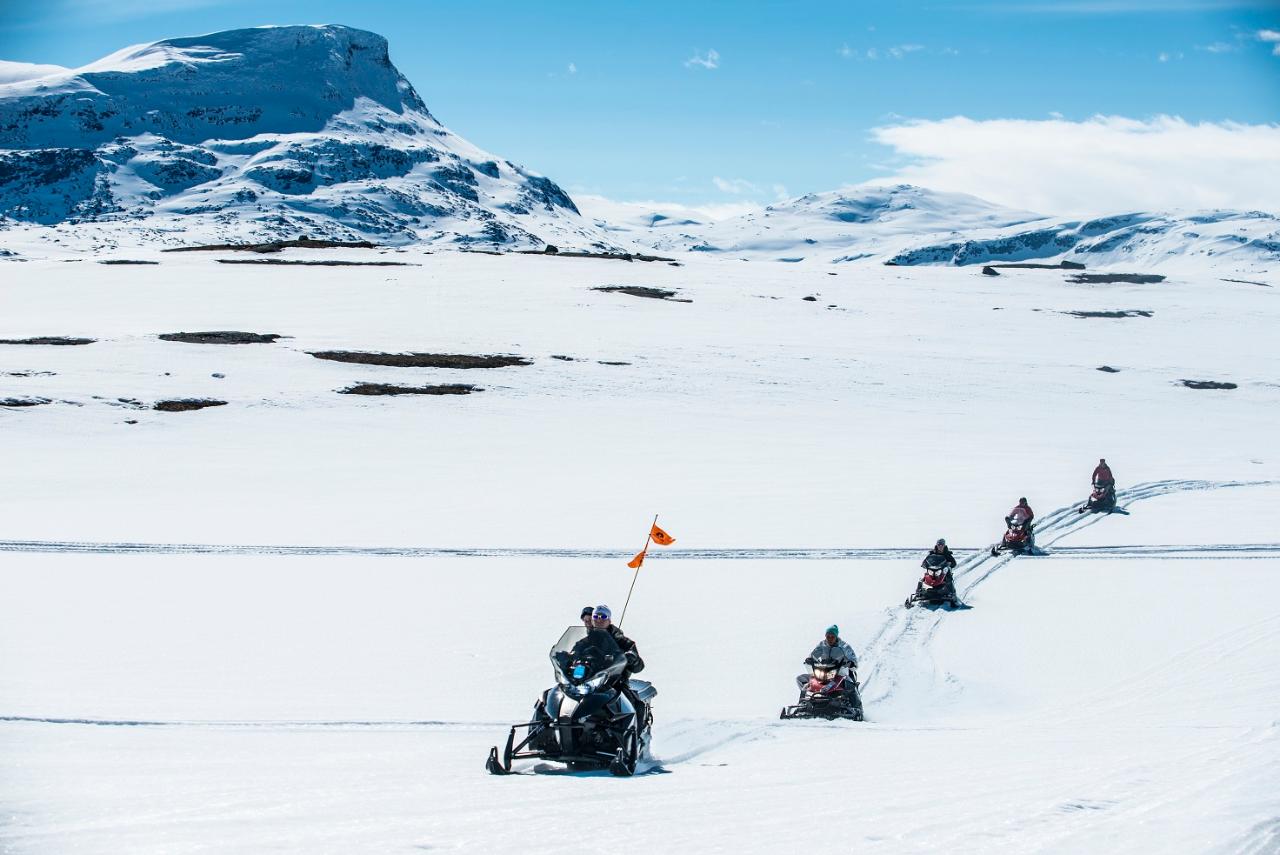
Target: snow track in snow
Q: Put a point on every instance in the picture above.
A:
(889, 650)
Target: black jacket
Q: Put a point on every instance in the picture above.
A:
(945, 553)
(634, 663)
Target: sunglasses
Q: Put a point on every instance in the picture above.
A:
(599, 617)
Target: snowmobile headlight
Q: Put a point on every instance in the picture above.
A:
(824, 674)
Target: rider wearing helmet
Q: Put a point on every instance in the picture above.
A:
(602, 618)
(940, 548)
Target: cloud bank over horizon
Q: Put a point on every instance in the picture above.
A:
(1105, 164)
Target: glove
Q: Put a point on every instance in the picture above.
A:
(808, 660)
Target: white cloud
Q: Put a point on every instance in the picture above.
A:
(573, 68)
(1271, 36)
(902, 50)
(1103, 164)
(780, 192)
(640, 213)
(846, 51)
(1220, 47)
(711, 60)
(734, 185)
(872, 53)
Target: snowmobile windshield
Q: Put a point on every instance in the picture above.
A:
(935, 561)
(826, 669)
(582, 654)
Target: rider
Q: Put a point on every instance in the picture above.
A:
(585, 617)
(602, 618)
(834, 648)
(939, 548)
(1102, 476)
(1021, 511)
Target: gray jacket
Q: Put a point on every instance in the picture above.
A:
(840, 651)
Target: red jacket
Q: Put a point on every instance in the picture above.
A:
(1024, 511)
(1102, 472)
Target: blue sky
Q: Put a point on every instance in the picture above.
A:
(699, 102)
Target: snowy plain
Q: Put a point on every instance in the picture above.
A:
(1119, 699)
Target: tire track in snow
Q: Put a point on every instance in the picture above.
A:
(902, 626)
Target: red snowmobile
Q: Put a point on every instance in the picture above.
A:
(826, 693)
(1102, 500)
(937, 586)
(1018, 537)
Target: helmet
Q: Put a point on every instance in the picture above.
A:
(942, 541)
(1022, 500)
(602, 612)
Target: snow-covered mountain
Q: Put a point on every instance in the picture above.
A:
(842, 225)
(259, 133)
(907, 225)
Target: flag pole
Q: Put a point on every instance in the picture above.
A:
(636, 575)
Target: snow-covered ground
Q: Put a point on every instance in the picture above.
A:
(1119, 700)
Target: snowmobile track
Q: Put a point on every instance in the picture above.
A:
(902, 625)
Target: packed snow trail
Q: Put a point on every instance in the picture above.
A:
(888, 646)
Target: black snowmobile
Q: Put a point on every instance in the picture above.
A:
(826, 693)
(588, 720)
(1102, 500)
(937, 587)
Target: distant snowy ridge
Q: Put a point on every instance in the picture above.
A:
(908, 225)
(261, 133)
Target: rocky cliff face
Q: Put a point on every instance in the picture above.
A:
(263, 133)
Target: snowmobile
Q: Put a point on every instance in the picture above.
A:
(937, 586)
(1102, 500)
(826, 693)
(1018, 537)
(588, 720)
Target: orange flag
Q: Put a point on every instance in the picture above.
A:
(635, 563)
(660, 537)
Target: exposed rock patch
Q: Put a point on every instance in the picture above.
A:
(22, 402)
(324, 263)
(421, 360)
(641, 291)
(990, 271)
(1107, 369)
(1111, 278)
(179, 405)
(48, 339)
(604, 362)
(1124, 313)
(278, 245)
(220, 337)
(1028, 265)
(124, 261)
(387, 389)
(1207, 384)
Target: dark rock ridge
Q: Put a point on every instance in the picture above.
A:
(180, 405)
(387, 389)
(421, 360)
(220, 337)
(47, 340)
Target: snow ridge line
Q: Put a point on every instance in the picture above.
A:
(886, 553)
(255, 725)
(901, 624)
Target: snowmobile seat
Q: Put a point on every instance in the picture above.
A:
(642, 689)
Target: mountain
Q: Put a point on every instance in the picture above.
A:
(261, 133)
(908, 225)
(843, 225)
